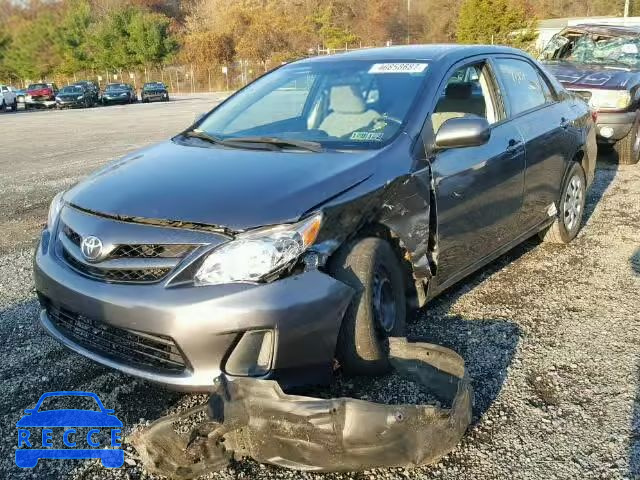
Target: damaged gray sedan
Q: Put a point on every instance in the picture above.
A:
(296, 223)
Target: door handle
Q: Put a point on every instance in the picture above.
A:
(513, 144)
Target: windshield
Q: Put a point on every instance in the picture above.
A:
(153, 86)
(587, 49)
(116, 87)
(345, 104)
(72, 89)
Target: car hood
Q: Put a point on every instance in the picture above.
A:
(70, 96)
(39, 91)
(69, 418)
(233, 188)
(574, 75)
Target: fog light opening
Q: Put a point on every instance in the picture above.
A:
(252, 355)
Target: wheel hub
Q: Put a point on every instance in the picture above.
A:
(384, 306)
(573, 203)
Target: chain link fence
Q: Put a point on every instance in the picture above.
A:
(180, 79)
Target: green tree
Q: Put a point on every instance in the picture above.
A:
(491, 21)
(73, 37)
(149, 37)
(333, 33)
(33, 54)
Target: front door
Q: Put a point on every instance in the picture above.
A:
(479, 190)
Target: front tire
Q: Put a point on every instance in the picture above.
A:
(14, 107)
(378, 308)
(628, 149)
(570, 209)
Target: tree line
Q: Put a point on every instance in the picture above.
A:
(39, 38)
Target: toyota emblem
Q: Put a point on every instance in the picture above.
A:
(91, 248)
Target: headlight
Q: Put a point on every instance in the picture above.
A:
(255, 254)
(58, 99)
(54, 210)
(610, 99)
(80, 97)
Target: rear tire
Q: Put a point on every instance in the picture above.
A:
(570, 208)
(3, 107)
(14, 107)
(628, 149)
(378, 308)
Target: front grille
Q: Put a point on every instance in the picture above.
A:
(117, 275)
(126, 251)
(72, 235)
(150, 251)
(137, 349)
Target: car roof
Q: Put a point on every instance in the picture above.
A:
(604, 29)
(432, 53)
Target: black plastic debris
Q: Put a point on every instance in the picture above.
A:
(254, 418)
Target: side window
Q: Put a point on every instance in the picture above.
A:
(546, 89)
(467, 94)
(524, 87)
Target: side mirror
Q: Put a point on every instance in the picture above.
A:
(463, 132)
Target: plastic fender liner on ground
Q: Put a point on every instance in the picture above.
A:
(254, 418)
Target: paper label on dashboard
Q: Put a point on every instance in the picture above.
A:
(398, 67)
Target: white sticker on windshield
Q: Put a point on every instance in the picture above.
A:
(630, 48)
(398, 67)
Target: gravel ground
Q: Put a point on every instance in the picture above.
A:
(550, 334)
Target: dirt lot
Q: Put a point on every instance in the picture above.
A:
(550, 334)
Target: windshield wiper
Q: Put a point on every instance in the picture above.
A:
(203, 136)
(280, 142)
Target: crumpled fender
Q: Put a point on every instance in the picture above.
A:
(255, 418)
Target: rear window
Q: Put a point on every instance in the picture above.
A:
(37, 86)
(152, 86)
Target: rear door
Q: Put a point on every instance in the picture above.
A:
(544, 123)
(479, 190)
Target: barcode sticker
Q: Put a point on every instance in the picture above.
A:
(398, 67)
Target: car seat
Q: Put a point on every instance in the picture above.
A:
(349, 111)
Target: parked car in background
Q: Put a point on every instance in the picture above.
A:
(119, 93)
(41, 95)
(602, 64)
(20, 95)
(92, 90)
(298, 220)
(74, 96)
(154, 91)
(8, 98)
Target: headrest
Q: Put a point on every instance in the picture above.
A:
(459, 91)
(347, 99)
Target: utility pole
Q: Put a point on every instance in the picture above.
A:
(409, 21)
(626, 8)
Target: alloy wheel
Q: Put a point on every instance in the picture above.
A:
(573, 203)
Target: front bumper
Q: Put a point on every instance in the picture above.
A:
(114, 100)
(303, 312)
(70, 104)
(616, 125)
(31, 102)
(155, 97)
